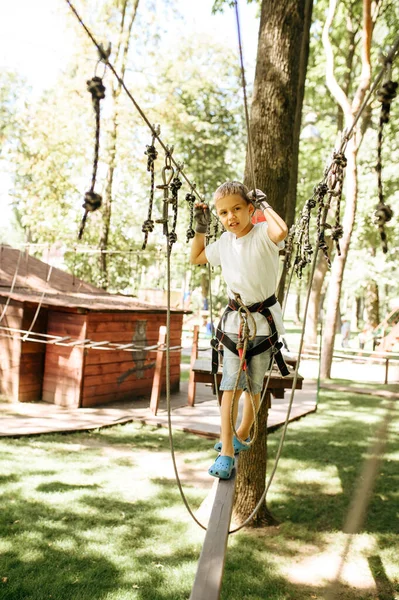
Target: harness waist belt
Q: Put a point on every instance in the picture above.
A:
(269, 342)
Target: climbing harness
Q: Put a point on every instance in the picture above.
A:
(270, 341)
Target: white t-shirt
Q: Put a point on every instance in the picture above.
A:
(249, 268)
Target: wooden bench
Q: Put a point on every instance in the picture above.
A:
(201, 373)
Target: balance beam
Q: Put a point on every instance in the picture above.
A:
(208, 579)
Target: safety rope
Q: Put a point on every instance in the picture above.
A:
(169, 248)
(244, 89)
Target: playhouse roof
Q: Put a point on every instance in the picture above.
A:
(61, 289)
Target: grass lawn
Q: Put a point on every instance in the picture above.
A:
(97, 516)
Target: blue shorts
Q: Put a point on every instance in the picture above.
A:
(257, 367)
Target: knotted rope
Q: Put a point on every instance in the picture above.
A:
(92, 200)
(174, 201)
(190, 198)
(383, 212)
(335, 182)
(152, 154)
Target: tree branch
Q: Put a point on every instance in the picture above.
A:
(335, 89)
(365, 76)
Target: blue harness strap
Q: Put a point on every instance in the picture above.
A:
(269, 342)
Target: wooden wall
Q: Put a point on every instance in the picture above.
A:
(111, 375)
(32, 357)
(10, 351)
(63, 367)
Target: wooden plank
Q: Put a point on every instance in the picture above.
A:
(208, 579)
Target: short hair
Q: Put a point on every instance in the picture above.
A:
(229, 188)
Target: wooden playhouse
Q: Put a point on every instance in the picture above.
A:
(67, 342)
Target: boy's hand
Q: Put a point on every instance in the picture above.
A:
(202, 217)
(259, 200)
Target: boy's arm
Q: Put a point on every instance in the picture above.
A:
(203, 218)
(197, 255)
(277, 228)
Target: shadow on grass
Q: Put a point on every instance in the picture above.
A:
(99, 547)
(134, 435)
(59, 486)
(342, 442)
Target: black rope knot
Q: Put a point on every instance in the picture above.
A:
(321, 190)
(152, 154)
(340, 159)
(172, 237)
(92, 201)
(337, 232)
(148, 226)
(190, 234)
(175, 186)
(385, 95)
(96, 88)
(383, 213)
(311, 203)
(190, 197)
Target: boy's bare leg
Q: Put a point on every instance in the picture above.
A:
(226, 435)
(248, 415)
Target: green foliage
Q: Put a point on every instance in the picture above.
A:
(365, 258)
(220, 5)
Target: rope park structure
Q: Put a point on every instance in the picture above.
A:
(327, 192)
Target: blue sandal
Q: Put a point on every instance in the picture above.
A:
(237, 445)
(222, 467)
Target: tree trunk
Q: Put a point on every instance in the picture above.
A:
(312, 317)
(372, 303)
(251, 476)
(275, 127)
(277, 101)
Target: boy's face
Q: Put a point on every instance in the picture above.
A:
(235, 214)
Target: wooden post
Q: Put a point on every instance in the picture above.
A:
(386, 370)
(194, 355)
(208, 579)
(157, 381)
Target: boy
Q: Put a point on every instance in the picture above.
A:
(248, 255)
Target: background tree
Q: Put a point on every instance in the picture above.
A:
(349, 109)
